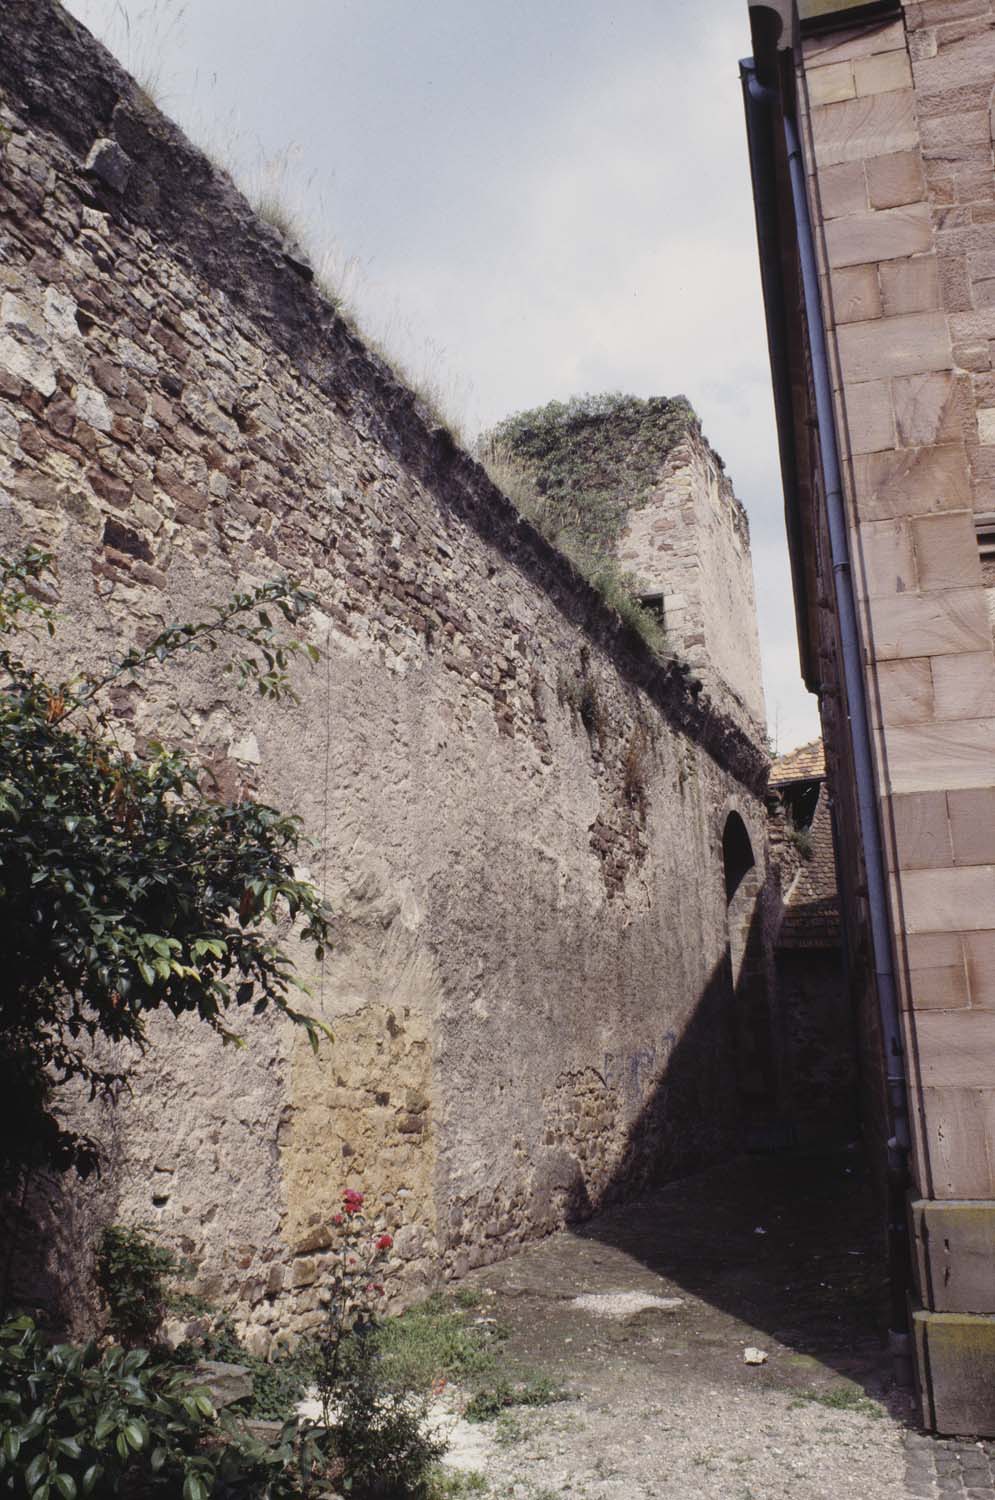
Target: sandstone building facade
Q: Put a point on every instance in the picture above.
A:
(870, 133)
(543, 847)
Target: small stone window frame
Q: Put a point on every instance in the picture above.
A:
(655, 605)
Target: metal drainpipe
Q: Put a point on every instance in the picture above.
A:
(860, 740)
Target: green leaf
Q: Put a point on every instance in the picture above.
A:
(36, 1468)
(194, 1488)
(137, 1433)
(90, 1478)
(66, 1486)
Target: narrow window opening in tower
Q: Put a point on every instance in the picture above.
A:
(654, 605)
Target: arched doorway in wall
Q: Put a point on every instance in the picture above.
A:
(745, 955)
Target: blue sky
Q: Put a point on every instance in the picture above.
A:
(527, 199)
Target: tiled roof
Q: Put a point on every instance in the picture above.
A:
(807, 763)
(811, 908)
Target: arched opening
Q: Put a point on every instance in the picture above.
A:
(737, 854)
(747, 977)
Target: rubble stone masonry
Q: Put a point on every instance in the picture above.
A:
(517, 812)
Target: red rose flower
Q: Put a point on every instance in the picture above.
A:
(385, 1241)
(338, 1219)
(352, 1200)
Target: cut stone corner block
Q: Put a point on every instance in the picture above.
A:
(955, 1372)
(954, 1246)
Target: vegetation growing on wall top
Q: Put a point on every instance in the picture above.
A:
(577, 468)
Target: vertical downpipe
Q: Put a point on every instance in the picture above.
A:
(860, 740)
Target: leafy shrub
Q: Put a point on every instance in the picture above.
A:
(131, 1273)
(799, 838)
(381, 1434)
(125, 886)
(278, 1383)
(76, 1422)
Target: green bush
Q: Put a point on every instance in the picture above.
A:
(126, 885)
(381, 1434)
(131, 1273)
(75, 1421)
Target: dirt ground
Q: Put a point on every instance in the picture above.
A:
(776, 1254)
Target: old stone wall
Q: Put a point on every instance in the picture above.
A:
(690, 542)
(517, 811)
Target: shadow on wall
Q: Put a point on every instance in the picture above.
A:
(716, 1089)
(788, 1242)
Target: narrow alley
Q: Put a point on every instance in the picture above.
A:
(645, 1314)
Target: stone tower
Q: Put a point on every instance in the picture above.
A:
(689, 547)
(684, 537)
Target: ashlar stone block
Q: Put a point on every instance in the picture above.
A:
(958, 1123)
(888, 557)
(958, 1050)
(843, 190)
(955, 1252)
(922, 830)
(856, 296)
(905, 689)
(964, 686)
(833, 82)
(923, 757)
(972, 827)
(870, 417)
(979, 954)
(882, 73)
(928, 409)
(884, 234)
(857, 129)
(909, 286)
(909, 345)
(895, 179)
(912, 481)
(946, 551)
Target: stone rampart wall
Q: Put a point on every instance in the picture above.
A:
(517, 811)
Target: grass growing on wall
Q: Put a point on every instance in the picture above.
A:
(574, 469)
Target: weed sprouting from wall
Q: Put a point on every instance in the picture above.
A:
(141, 47)
(636, 768)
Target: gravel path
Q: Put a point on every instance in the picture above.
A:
(645, 1315)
